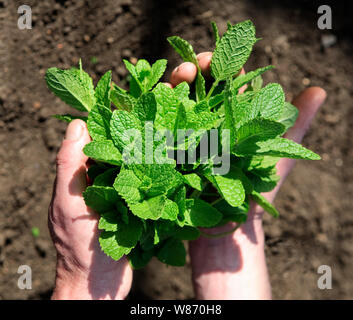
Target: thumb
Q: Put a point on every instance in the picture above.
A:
(308, 103)
(71, 163)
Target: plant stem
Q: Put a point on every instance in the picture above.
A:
(214, 85)
(219, 235)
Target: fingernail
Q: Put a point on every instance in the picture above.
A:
(74, 131)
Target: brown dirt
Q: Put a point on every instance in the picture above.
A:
(316, 226)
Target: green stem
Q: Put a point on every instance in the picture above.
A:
(216, 201)
(219, 235)
(214, 85)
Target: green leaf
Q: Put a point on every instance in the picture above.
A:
(73, 86)
(69, 117)
(215, 32)
(269, 102)
(230, 186)
(139, 258)
(243, 79)
(102, 92)
(229, 123)
(170, 211)
(233, 50)
(182, 91)
(149, 209)
(167, 104)
(183, 48)
(186, 51)
(127, 185)
(110, 245)
(101, 199)
(278, 147)
(259, 129)
(157, 71)
(202, 214)
(173, 253)
(107, 178)
(109, 221)
(200, 86)
(234, 214)
(98, 123)
(121, 98)
(120, 124)
(145, 108)
(193, 180)
(261, 200)
(263, 182)
(162, 177)
(288, 116)
(187, 233)
(104, 151)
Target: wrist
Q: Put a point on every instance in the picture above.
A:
(76, 284)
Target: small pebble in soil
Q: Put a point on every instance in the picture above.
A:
(328, 40)
(306, 81)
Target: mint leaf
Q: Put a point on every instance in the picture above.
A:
(259, 129)
(73, 86)
(109, 221)
(127, 185)
(230, 186)
(121, 98)
(278, 147)
(69, 117)
(233, 50)
(186, 51)
(173, 253)
(101, 199)
(120, 124)
(104, 151)
(139, 258)
(170, 210)
(261, 200)
(243, 79)
(98, 123)
(193, 180)
(107, 178)
(187, 233)
(149, 209)
(269, 102)
(102, 92)
(202, 214)
(110, 245)
(215, 32)
(288, 116)
(157, 72)
(145, 108)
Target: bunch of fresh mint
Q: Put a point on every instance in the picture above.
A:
(149, 194)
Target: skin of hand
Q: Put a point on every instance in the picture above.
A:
(83, 271)
(234, 266)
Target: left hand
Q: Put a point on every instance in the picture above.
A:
(83, 270)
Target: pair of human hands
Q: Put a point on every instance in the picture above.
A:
(231, 267)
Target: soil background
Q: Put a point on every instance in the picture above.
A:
(316, 225)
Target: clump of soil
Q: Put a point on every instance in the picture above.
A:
(316, 225)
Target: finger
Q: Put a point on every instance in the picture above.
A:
(71, 164)
(243, 88)
(204, 60)
(308, 103)
(185, 72)
(168, 84)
